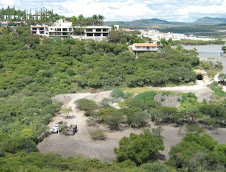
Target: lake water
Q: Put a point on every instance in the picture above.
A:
(209, 51)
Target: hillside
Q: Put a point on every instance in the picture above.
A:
(210, 21)
(143, 22)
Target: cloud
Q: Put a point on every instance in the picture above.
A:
(172, 10)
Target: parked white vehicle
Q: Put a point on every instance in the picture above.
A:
(56, 129)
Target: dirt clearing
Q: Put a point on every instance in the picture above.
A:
(82, 145)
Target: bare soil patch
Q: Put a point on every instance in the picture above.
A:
(81, 143)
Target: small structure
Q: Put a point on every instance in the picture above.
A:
(145, 47)
(12, 23)
(39, 30)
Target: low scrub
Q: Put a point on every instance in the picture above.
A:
(217, 89)
(98, 134)
(86, 104)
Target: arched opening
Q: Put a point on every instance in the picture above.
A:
(199, 77)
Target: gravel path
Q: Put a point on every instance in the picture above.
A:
(201, 90)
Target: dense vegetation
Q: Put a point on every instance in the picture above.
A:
(143, 146)
(198, 152)
(137, 111)
(45, 16)
(200, 42)
(33, 69)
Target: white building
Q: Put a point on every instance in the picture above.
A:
(60, 28)
(39, 30)
(145, 47)
(155, 35)
(93, 32)
(63, 28)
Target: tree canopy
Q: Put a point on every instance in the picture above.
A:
(138, 148)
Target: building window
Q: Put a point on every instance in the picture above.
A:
(98, 30)
(41, 28)
(89, 34)
(105, 34)
(64, 29)
(58, 29)
(105, 30)
(89, 30)
(70, 29)
(97, 34)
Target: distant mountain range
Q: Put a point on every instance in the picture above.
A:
(210, 21)
(155, 21)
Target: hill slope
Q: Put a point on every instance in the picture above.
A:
(210, 21)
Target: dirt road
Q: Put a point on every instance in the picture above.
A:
(81, 144)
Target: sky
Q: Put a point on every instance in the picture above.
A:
(127, 10)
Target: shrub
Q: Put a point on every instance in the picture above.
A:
(138, 148)
(118, 93)
(98, 134)
(105, 103)
(217, 89)
(194, 128)
(137, 119)
(114, 120)
(156, 132)
(148, 95)
(86, 104)
(156, 167)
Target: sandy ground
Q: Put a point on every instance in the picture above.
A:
(81, 144)
(201, 90)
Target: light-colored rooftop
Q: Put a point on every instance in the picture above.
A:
(146, 45)
(90, 27)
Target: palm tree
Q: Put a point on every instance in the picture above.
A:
(80, 19)
(95, 19)
(100, 19)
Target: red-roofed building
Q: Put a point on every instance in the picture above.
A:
(145, 47)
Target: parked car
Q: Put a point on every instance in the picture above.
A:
(58, 127)
(72, 130)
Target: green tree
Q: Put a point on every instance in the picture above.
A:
(138, 148)
(195, 151)
(223, 49)
(222, 77)
(66, 111)
(114, 119)
(137, 119)
(86, 104)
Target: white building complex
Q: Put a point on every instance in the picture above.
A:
(63, 28)
(155, 35)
